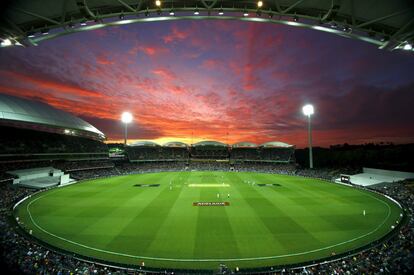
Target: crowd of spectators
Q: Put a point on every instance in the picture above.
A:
(208, 166)
(152, 153)
(23, 254)
(157, 153)
(17, 142)
(209, 152)
(266, 167)
(71, 166)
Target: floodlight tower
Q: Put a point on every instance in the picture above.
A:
(126, 118)
(308, 111)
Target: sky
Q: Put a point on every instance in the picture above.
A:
(228, 81)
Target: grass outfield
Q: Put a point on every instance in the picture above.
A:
(296, 220)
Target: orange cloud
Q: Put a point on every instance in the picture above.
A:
(47, 84)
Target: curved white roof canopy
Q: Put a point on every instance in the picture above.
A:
(209, 143)
(276, 144)
(20, 111)
(144, 143)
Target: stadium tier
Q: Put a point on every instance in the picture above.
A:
(276, 152)
(34, 131)
(150, 151)
(209, 150)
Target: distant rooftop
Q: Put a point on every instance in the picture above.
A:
(210, 143)
(175, 144)
(276, 144)
(144, 143)
(244, 144)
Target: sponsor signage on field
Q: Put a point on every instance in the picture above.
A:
(213, 203)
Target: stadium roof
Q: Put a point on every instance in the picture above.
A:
(210, 143)
(35, 114)
(388, 24)
(244, 145)
(276, 144)
(175, 144)
(144, 143)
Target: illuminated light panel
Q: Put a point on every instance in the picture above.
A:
(308, 110)
(6, 42)
(408, 47)
(126, 117)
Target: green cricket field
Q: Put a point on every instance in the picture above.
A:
(197, 220)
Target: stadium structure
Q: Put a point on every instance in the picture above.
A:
(72, 204)
(209, 207)
(276, 152)
(54, 134)
(386, 24)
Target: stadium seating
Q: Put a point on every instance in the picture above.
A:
(210, 150)
(41, 145)
(156, 153)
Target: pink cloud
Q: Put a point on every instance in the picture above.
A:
(103, 59)
(176, 35)
(165, 73)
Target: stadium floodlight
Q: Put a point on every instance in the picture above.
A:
(308, 111)
(259, 4)
(158, 3)
(126, 118)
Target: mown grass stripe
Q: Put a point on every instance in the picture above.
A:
(239, 192)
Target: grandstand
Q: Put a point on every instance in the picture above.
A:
(271, 152)
(213, 150)
(38, 136)
(142, 151)
(244, 151)
(276, 152)
(54, 134)
(175, 151)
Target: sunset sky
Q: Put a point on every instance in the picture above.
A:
(220, 80)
